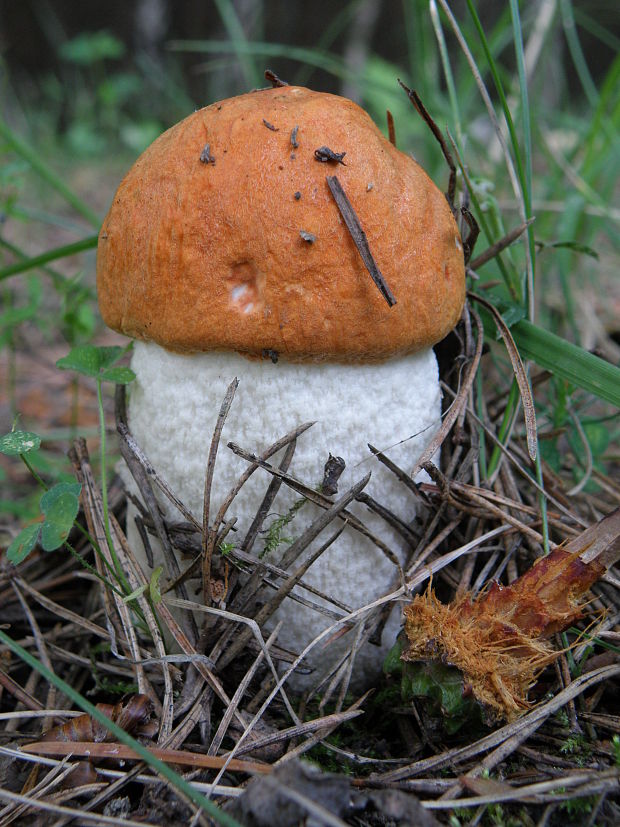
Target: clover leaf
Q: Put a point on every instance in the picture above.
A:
(60, 506)
(19, 442)
(97, 362)
(23, 544)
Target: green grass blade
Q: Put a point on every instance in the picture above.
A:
(312, 57)
(576, 52)
(447, 71)
(58, 279)
(88, 243)
(47, 174)
(332, 30)
(527, 147)
(570, 362)
(238, 40)
(159, 766)
(499, 88)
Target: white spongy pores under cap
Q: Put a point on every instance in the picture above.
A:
(173, 408)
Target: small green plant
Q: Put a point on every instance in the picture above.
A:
(275, 535)
(101, 682)
(578, 808)
(104, 96)
(58, 505)
(576, 745)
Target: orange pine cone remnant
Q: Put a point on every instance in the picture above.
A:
(498, 641)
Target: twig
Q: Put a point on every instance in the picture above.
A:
(120, 751)
(359, 237)
(317, 498)
(500, 245)
(273, 79)
(391, 129)
(208, 534)
(422, 111)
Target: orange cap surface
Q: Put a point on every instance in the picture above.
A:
(224, 235)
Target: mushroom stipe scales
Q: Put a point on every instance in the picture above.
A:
(201, 259)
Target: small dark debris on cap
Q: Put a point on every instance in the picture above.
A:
(297, 195)
(309, 237)
(270, 126)
(268, 353)
(327, 155)
(273, 79)
(294, 141)
(205, 155)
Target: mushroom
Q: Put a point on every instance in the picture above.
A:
(225, 254)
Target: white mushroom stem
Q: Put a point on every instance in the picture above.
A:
(395, 405)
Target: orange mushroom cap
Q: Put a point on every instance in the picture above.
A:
(224, 235)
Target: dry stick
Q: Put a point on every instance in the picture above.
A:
(566, 788)
(95, 529)
(270, 495)
(294, 579)
(600, 542)
(120, 751)
(446, 488)
(208, 535)
(391, 129)
(222, 729)
(251, 624)
(496, 249)
(307, 728)
(313, 530)
(317, 498)
(295, 549)
(277, 571)
(403, 476)
(422, 111)
(322, 733)
(343, 676)
(359, 237)
(273, 79)
(143, 473)
(508, 502)
(44, 788)
(390, 518)
(289, 441)
(62, 611)
(93, 509)
(178, 736)
(137, 581)
(18, 692)
(39, 642)
(519, 371)
(248, 590)
(508, 453)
